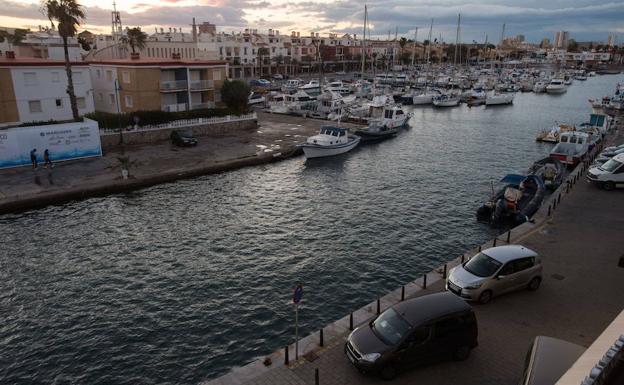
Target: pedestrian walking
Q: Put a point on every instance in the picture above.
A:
(46, 159)
(33, 158)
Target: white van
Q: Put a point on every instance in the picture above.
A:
(610, 174)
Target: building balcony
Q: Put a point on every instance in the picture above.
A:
(199, 85)
(173, 85)
(199, 106)
(174, 107)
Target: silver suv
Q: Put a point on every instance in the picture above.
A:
(496, 271)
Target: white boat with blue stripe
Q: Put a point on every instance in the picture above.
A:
(329, 141)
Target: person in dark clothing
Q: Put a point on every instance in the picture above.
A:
(46, 159)
(33, 158)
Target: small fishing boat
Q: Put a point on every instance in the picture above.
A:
(376, 132)
(515, 203)
(446, 100)
(550, 170)
(497, 99)
(572, 147)
(556, 86)
(329, 141)
(552, 135)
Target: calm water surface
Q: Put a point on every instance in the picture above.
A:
(178, 283)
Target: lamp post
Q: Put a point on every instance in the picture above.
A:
(118, 101)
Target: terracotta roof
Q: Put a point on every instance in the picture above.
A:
(152, 61)
(22, 61)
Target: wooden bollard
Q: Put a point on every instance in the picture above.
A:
(559, 198)
(549, 210)
(351, 321)
(425, 281)
(462, 259)
(567, 187)
(321, 337)
(316, 376)
(479, 248)
(494, 243)
(554, 204)
(286, 355)
(508, 236)
(402, 293)
(444, 273)
(378, 306)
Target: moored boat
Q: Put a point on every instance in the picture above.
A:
(499, 99)
(446, 100)
(556, 86)
(572, 148)
(329, 141)
(550, 170)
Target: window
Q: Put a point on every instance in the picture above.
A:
(216, 75)
(523, 264)
(128, 100)
(34, 106)
(59, 103)
(100, 97)
(30, 78)
(507, 269)
(111, 99)
(125, 75)
(418, 336)
(81, 103)
(98, 73)
(217, 97)
(447, 326)
(109, 75)
(77, 77)
(55, 77)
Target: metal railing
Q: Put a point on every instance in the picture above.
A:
(185, 123)
(201, 84)
(173, 85)
(199, 106)
(174, 107)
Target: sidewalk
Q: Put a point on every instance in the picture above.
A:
(580, 295)
(23, 188)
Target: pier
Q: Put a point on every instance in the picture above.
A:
(577, 232)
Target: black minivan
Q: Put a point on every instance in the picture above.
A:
(414, 332)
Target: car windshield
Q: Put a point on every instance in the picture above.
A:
(482, 266)
(390, 327)
(610, 165)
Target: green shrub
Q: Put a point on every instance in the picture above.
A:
(110, 120)
(235, 95)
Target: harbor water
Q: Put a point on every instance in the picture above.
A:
(178, 283)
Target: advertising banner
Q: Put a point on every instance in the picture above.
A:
(63, 141)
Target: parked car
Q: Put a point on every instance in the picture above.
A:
(413, 332)
(608, 175)
(260, 83)
(496, 271)
(278, 76)
(548, 359)
(183, 139)
(605, 155)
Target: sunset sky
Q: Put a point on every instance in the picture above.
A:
(585, 19)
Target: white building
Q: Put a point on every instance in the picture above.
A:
(34, 90)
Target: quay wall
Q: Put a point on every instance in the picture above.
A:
(110, 140)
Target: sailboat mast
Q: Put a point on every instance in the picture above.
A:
(364, 44)
(456, 40)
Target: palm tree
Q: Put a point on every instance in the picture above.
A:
(68, 14)
(135, 38)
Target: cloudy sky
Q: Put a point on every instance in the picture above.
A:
(585, 19)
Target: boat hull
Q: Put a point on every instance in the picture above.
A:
(368, 137)
(316, 151)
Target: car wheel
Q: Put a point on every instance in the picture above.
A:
(388, 372)
(535, 283)
(461, 353)
(608, 185)
(485, 297)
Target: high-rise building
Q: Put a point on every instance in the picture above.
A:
(561, 39)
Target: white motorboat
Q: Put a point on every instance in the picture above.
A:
(425, 97)
(292, 103)
(498, 99)
(539, 87)
(552, 135)
(311, 88)
(446, 100)
(291, 85)
(338, 87)
(329, 141)
(256, 98)
(556, 86)
(392, 117)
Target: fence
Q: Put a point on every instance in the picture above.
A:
(185, 123)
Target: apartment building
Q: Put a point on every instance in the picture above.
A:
(35, 90)
(145, 84)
